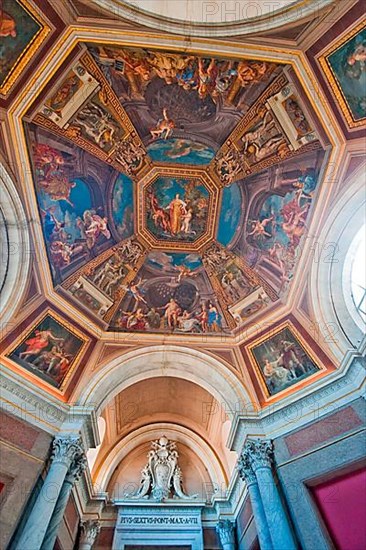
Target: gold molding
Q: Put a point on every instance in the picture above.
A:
(303, 344)
(77, 34)
(67, 326)
(332, 79)
(29, 51)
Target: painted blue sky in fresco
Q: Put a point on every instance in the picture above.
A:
(180, 151)
(230, 214)
(63, 211)
(122, 206)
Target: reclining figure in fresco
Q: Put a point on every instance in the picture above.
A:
(161, 476)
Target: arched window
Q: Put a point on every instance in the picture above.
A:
(358, 272)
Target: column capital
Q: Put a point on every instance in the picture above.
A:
(246, 472)
(65, 449)
(226, 531)
(76, 469)
(258, 453)
(89, 531)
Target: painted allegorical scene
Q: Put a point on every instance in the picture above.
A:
(179, 91)
(282, 361)
(18, 28)
(176, 209)
(73, 215)
(171, 294)
(49, 350)
(348, 65)
(277, 221)
(174, 190)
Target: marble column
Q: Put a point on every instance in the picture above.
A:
(226, 531)
(246, 473)
(64, 450)
(76, 469)
(259, 454)
(89, 531)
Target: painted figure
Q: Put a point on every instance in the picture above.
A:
(38, 342)
(259, 228)
(172, 311)
(164, 127)
(7, 25)
(177, 211)
(91, 226)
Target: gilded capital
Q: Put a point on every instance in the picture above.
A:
(65, 449)
(258, 453)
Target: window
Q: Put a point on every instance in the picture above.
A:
(358, 272)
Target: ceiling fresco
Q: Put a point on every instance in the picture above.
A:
(173, 189)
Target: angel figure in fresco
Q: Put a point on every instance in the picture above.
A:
(294, 222)
(7, 24)
(184, 272)
(186, 222)
(37, 343)
(91, 226)
(177, 210)
(164, 127)
(207, 77)
(182, 148)
(58, 187)
(47, 159)
(259, 228)
(134, 289)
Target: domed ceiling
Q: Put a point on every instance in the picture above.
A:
(174, 189)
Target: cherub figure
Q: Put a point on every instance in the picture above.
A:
(164, 126)
(259, 228)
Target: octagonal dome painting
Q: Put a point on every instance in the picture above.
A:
(174, 189)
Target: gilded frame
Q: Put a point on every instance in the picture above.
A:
(332, 79)
(301, 342)
(30, 49)
(67, 326)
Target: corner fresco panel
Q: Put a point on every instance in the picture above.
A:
(282, 361)
(49, 350)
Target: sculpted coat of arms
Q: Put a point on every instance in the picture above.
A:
(162, 477)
